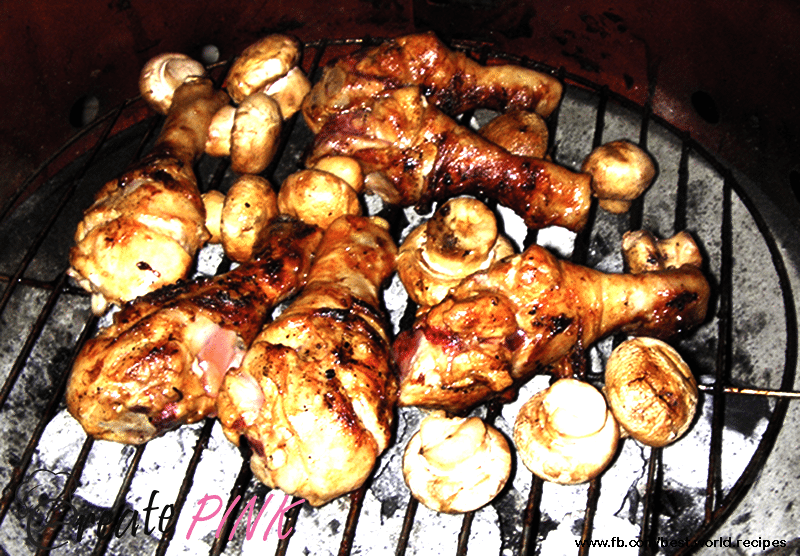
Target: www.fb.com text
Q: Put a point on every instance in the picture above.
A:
(664, 542)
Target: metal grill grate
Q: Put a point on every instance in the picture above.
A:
(45, 321)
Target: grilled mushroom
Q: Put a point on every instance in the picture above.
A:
(566, 434)
(651, 390)
(317, 197)
(344, 167)
(460, 239)
(621, 172)
(456, 465)
(218, 142)
(254, 137)
(519, 132)
(261, 64)
(164, 73)
(289, 91)
(642, 252)
(213, 201)
(249, 206)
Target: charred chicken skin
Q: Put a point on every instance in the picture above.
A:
(412, 154)
(144, 228)
(160, 364)
(451, 80)
(533, 313)
(315, 394)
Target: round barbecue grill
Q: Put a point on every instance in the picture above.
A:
(670, 501)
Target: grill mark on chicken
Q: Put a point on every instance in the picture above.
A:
(318, 380)
(681, 301)
(425, 156)
(144, 228)
(451, 80)
(571, 306)
(147, 354)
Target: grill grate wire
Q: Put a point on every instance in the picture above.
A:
(716, 503)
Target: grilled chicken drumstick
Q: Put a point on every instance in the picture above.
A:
(451, 80)
(412, 153)
(161, 362)
(315, 394)
(532, 313)
(144, 228)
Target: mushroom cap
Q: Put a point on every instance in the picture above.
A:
(642, 252)
(341, 166)
(459, 235)
(255, 133)
(456, 465)
(651, 390)
(621, 171)
(164, 73)
(213, 201)
(249, 206)
(520, 132)
(289, 91)
(317, 197)
(566, 434)
(218, 142)
(460, 239)
(260, 64)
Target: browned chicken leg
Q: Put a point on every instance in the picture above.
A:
(315, 394)
(161, 362)
(451, 80)
(144, 228)
(412, 153)
(529, 314)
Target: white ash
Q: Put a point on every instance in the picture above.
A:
(395, 301)
(208, 259)
(373, 203)
(511, 225)
(101, 479)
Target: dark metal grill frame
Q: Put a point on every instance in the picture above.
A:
(717, 504)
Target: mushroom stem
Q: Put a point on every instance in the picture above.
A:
(456, 464)
(460, 239)
(461, 233)
(566, 434)
(642, 252)
(575, 409)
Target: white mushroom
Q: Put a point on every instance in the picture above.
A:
(566, 434)
(317, 197)
(642, 252)
(261, 64)
(249, 206)
(621, 171)
(344, 167)
(218, 142)
(459, 239)
(519, 132)
(289, 91)
(164, 73)
(651, 390)
(255, 133)
(456, 465)
(213, 201)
